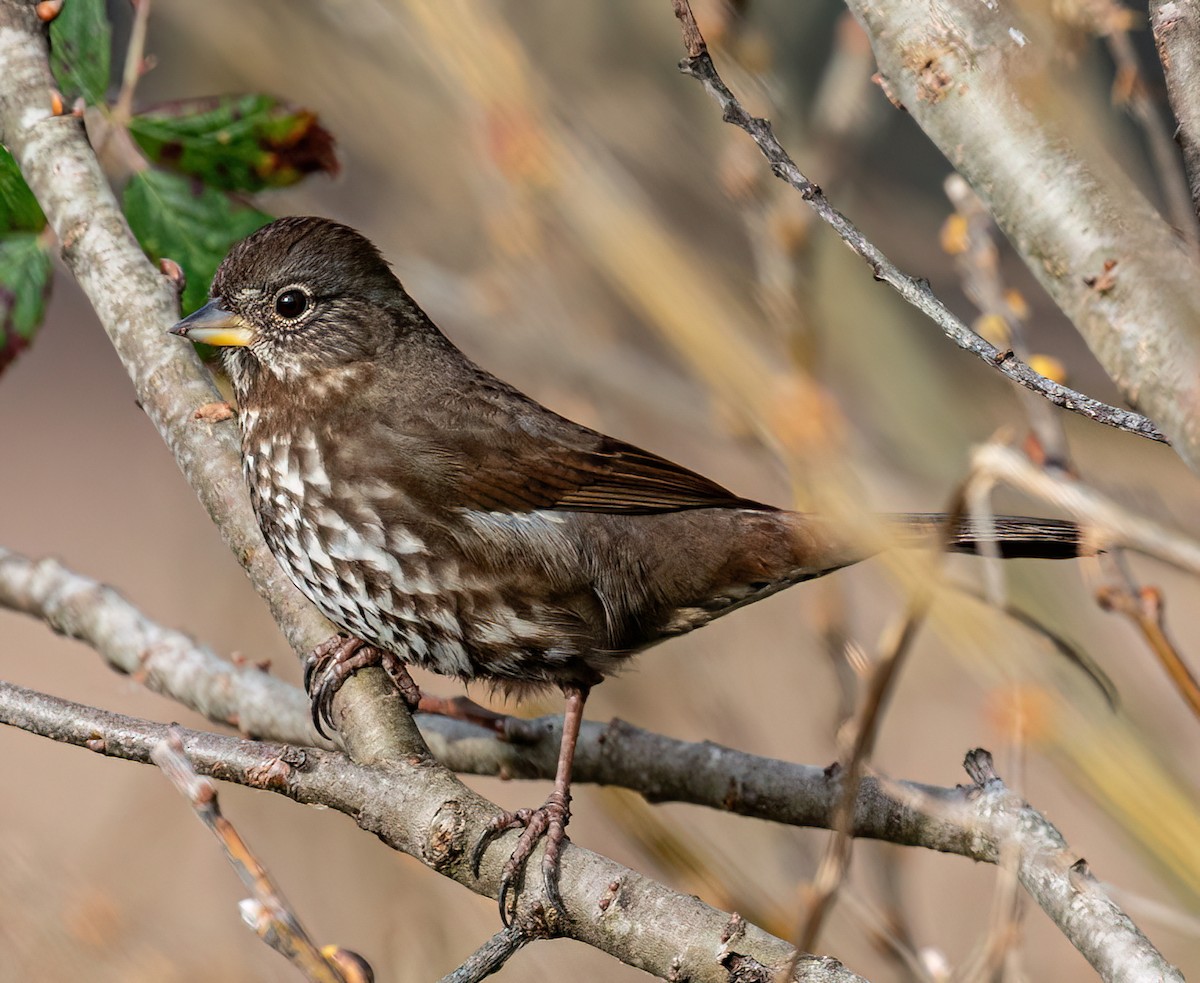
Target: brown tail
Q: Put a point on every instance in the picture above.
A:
(1015, 536)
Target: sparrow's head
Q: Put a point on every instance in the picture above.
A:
(299, 297)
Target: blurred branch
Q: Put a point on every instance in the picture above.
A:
(1130, 90)
(699, 65)
(977, 260)
(965, 72)
(1110, 524)
(268, 913)
(165, 661)
(1144, 607)
(134, 62)
(834, 864)
(135, 305)
(1176, 26)
(436, 820)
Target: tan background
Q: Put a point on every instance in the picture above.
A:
(105, 874)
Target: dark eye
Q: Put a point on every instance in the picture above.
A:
(291, 303)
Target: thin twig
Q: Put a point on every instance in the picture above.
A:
(835, 863)
(977, 258)
(836, 860)
(134, 63)
(268, 913)
(490, 957)
(1144, 607)
(915, 291)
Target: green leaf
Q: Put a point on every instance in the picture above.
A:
(19, 210)
(25, 268)
(80, 49)
(176, 218)
(241, 143)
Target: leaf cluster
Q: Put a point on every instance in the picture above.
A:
(195, 163)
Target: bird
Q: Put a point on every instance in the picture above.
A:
(441, 518)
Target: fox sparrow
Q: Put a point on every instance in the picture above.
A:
(443, 519)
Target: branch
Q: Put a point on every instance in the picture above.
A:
(1110, 524)
(135, 305)
(1130, 90)
(165, 661)
(271, 917)
(426, 813)
(915, 291)
(1176, 26)
(660, 768)
(435, 822)
(966, 73)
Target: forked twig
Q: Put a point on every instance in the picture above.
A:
(699, 65)
(266, 912)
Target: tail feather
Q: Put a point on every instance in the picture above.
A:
(1014, 536)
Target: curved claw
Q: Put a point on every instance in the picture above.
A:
(550, 882)
(510, 881)
(328, 666)
(496, 828)
(550, 821)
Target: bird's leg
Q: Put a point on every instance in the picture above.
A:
(549, 820)
(338, 658)
(464, 708)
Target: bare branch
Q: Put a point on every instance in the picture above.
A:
(834, 864)
(1144, 607)
(489, 957)
(268, 913)
(436, 820)
(915, 291)
(166, 661)
(966, 73)
(1176, 26)
(1130, 90)
(1111, 524)
(61, 169)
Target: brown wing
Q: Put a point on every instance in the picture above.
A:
(610, 476)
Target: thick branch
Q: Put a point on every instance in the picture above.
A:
(1176, 26)
(135, 305)
(424, 812)
(660, 768)
(966, 73)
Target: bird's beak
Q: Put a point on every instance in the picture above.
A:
(214, 325)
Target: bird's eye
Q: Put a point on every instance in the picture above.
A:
(291, 303)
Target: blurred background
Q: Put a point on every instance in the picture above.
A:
(574, 214)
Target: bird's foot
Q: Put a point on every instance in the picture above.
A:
(549, 821)
(335, 660)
